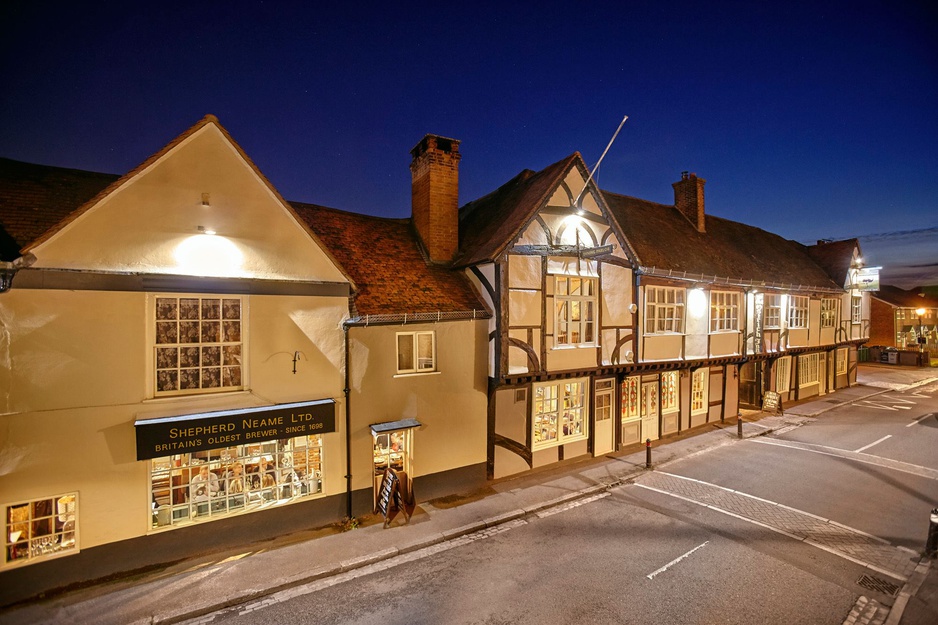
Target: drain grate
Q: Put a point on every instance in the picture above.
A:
(878, 585)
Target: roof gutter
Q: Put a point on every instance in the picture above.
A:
(8, 270)
(737, 282)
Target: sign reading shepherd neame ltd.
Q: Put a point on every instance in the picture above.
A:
(211, 430)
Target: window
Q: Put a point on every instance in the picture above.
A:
(575, 301)
(416, 352)
(773, 311)
(828, 312)
(798, 311)
(783, 374)
(198, 344)
(699, 393)
(206, 485)
(807, 369)
(669, 391)
(900, 314)
(856, 309)
(842, 361)
(604, 391)
(559, 413)
(664, 310)
(40, 528)
(724, 311)
(629, 398)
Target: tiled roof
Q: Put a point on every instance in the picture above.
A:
(664, 239)
(34, 198)
(914, 298)
(489, 225)
(835, 257)
(384, 260)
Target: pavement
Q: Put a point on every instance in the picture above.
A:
(201, 586)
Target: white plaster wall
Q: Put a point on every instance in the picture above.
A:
(511, 417)
(524, 272)
(616, 295)
(524, 308)
(662, 347)
(724, 344)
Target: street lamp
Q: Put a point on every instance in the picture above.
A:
(921, 337)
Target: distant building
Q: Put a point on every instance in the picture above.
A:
(896, 322)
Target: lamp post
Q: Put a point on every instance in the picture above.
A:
(921, 337)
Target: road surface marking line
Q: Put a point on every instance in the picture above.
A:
(676, 560)
(896, 465)
(845, 556)
(865, 447)
(669, 494)
(922, 418)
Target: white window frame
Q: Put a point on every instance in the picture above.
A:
(551, 402)
(700, 391)
(828, 312)
(420, 364)
(807, 370)
(575, 306)
(856, 309)
(783, 374)
(798, 311)
(231, 343)
(842, 361)
(61, 540)
(772, 311)
(664, 310)
(724, 311)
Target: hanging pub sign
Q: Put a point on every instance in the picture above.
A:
(212, 430)
(867, 279)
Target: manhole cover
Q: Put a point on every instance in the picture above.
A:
(878, 585)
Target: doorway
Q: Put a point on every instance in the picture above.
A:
(649, 408)
(604, 434)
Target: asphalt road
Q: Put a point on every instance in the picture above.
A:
(637, 555)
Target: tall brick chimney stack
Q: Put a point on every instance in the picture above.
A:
(435, 195)
(689, 199)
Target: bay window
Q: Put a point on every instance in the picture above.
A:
(724, 311)
(664, 310)
(798, 312)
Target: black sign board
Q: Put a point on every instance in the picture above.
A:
(395, 494)
(772, 401)
(389, 486)
(213, 430)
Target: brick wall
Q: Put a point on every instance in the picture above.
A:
(435, 195)
(882, 324)
(689, 199)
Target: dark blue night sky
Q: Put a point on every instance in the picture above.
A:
(811, 120)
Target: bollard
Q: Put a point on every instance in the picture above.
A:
(931, 545)
(647, 453)
(739, 425)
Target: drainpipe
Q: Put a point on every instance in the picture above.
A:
(348, 428)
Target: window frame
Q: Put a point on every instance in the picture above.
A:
(783, 385)
(567, 306)
(415, 352)
(808, 369)
(724, 313)
(798, 307)
(856, 309)
(700, 391)
(772, 311)
(828, 312)
(670, 392)
(545, 405)
(46, 550)
(665, 315)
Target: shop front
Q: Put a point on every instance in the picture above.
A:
(393, 450)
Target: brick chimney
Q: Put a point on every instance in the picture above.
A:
(435, 195)
(689, 199)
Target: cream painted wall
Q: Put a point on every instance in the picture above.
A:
(140, 226)
(451, 405)
(662, 347)
(724, 344)
(524, 272)
(798, 337)
(616, 295)
(524, 308)
(511, 417)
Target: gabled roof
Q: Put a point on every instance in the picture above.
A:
(835, 257)
(490, 224)
(664, 239)
(34, 198)
(901, 298)
(390, 271)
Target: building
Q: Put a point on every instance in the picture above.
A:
(191, 361)
(901, 317)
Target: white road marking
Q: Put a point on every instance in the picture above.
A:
(675, 561)
(922, 418)
(888, 463)
(888, 436)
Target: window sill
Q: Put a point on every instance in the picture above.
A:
(572, 347)
(416, 374)
(209, 395)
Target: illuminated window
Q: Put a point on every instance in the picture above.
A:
(40, 529)
(575, 302)
(828, 312)
(198, 344)
(559, 413)
(807, 369)
(669, 391)
(664, 310)
(416, 352)
(783, 374)
(856, 309)
(724, 311)
(699, 392)
(773, 311)
(629, 399)
(798, 312)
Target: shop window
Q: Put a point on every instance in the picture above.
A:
(669, 391)
(783, 374)
(559, 413)
(700, 391)
(856, 309)
(773, 311)
(40, 528)
(828, 312)
(664, 310)
(798, 312)
(724, 311)
(198, 344)
(630, 398)
(575, 302)
(206, 485)
(807, 369)
(392, 449)
(416, 352)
